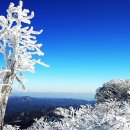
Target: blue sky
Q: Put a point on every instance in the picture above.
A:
(86, 43)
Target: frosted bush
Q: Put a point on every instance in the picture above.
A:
(115, 89)
(110, 115)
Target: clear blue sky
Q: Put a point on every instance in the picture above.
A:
(86, 43)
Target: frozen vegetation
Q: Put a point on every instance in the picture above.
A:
(115, 89)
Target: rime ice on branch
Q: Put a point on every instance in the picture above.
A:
(18, 44)
(20, 40)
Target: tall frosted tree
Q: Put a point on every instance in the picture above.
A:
(18, 44)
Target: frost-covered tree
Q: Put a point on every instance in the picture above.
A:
(115, 89)
(18, 44)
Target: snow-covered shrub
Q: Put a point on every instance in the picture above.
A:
(9, 127)
(110, 115)
(115, 89)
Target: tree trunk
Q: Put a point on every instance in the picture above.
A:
(1, 115)
(3, 103)
(4, 95)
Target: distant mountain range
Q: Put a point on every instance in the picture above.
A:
(23, 110)
(74, 95)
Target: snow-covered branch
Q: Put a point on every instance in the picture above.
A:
(20, 41)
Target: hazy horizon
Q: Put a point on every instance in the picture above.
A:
(83, 96)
